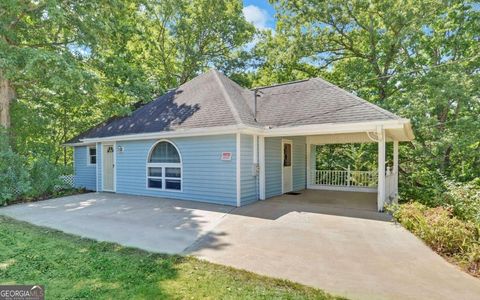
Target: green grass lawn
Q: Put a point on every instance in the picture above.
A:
(73, 267)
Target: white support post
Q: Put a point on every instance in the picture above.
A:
(395, 168)
(261, 162)
(381, 169)
(255, 149)
(238, 155)
(309, 168)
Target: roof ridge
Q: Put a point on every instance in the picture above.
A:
(228, 99)
(279, 84)
(376, 107)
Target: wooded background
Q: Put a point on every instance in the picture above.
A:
(68, 65)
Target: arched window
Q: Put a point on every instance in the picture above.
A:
(164, 167)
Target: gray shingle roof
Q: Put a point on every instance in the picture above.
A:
(212, 99)
(314, 101)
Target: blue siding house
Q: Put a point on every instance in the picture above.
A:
(212, 140)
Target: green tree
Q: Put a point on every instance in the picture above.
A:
(45, 51)
(72, 64)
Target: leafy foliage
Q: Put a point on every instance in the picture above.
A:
(443, 232)
(45, 178)
(20, 178)
(464, 200)
(360, 157)
(74, 64)
(13, 175)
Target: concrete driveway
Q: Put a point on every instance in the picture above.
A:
(148, 223)
(355, 253)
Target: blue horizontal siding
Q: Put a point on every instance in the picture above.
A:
(248, 181)
(273, 164)
(85, 176)
(205, 176)
(273, 167)
(299, 170)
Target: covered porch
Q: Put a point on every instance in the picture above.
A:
(377, 185)
(382, 182)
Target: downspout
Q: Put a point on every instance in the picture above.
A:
(255, 92)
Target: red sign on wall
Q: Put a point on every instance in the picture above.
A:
(226, 155)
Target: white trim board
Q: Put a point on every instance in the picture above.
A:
(115, 167)
(316, 129)
(261, 163)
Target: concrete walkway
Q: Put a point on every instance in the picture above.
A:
(307, 238)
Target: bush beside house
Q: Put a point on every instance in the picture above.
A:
(449, 223)
(21, 179)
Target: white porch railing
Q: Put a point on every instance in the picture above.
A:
(346, 178)
(356, 180)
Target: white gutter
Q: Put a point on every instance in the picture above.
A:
(77, 144)
(217, 130)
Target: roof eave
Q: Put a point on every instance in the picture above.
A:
(337, 128)
(304, 130)
(218, 130)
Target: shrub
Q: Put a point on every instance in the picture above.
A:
(13, 174)
(442, 231)
(44, 178)
(464, 200)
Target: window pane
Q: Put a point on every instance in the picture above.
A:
(157, 172)
(164, 152)
(172, 172)
(154, 183)
(93, 151)
(287, 155)
(93, 160)
(173, 184)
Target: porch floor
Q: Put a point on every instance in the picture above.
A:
(337, 199)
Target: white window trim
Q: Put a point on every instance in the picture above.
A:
(163, 166)
(88, 155)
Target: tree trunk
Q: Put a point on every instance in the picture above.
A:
(7, 94)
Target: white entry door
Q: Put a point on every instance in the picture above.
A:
(287, 178)
(108, 168)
